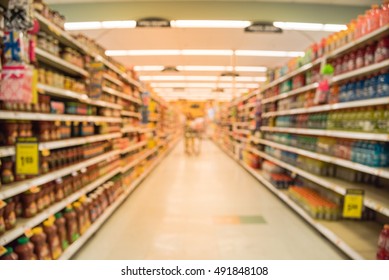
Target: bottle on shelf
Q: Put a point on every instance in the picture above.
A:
(383, 244)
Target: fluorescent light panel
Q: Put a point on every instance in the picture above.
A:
(263, 53)
(203, 68)
(90, 25)
(149, 68)
(309, 26)
(210, 23)
(203, 85)
(268, 53)
(202, 78)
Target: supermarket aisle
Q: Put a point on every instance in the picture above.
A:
(205, 207)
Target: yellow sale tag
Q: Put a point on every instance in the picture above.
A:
(353, 204)
(28, 233)
(3, 250)
(27, 156)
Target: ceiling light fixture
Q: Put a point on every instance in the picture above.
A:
(88, 25)
(309, 26)
(149, 68)
(268, 53)
(210, 23)
(207, 52)
(202, 78)
(204, 68)
(204, 85)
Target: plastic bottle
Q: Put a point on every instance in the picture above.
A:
(41, 248)
(382, 50)
(383, 85)
(53, 240)
(369, 54)
(60, 222)
(10, 255)
(383, 241)
(384, 15)
(360, 58)
(372, 89)
(373, 18)
(25, 249)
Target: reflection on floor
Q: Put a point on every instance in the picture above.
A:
(205, 207)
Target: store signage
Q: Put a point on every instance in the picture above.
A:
(260, 27)
(27, 156)
(153, 22)
(353, 204)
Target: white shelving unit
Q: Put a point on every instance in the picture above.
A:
(13, 189)
(131, 114)
(10, 151)
(11, 115)
(330, 133)
(134, 147)
(113, 80)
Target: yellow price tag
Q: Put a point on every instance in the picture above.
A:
(3, 250)
(27, 156)
(353, 204)
(28, 233)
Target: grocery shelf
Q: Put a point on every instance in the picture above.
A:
(130, 129)
(375, 199)
(293, 73)
(131, 114)
(134, 147)
(10, 150)
(59, 63)
(11, 115)
(330, 107)
(356, 240)
(122, 95)
(242, 131)
(63, 36)
(82, 97)
(147, 129)
(330, 133)
(25, 224)
(113, 80)
(381, 172)
(366, 38)
(290, 93)
(13, 189)
(361, 71)
(73, 248)
(138, 160)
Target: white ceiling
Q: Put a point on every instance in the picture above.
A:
(205, 39)
(334, 2)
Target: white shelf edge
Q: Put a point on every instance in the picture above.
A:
(11, 115)
(113, 80)
(331, 133)
(18, 187)
(361, 71)
(342, 245)
(138, 160)
(134, 147)
(82, 97)
(61, 32)
(26, 224)
(293, 73)
(73, 248)
(122, 95)
(10, 150)
(330, 107)
(381, 172)
(290, 93)
(130, 129)
(369, 202)
(59, 61)
(358, 41)
(130, 114)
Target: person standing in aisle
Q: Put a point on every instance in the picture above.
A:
(189, 134)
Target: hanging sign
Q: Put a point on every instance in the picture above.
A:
(27, 156)
(259, 26)
(353, 204)
(153, 22)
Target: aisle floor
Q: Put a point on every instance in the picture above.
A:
(205, 207)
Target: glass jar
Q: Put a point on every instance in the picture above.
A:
(11, 132)
(30, 208)
(2, 222)
(9, 214)
(7, 175)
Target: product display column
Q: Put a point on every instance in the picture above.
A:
(322, 145)
(72, 147)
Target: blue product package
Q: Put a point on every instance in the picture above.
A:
(366, 89)
(359, 89)
(343, 93)
(373, 87)
(351, 88)
(383, 85)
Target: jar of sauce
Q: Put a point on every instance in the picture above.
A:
(7, 175)
(30, 207)
(2, 222)
(53, 240)
(9, 255)
(60, 222)
(25, 249)
(9, 214)
(71, 224)
(39, 239)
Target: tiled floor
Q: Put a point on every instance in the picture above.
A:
(205, 207)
